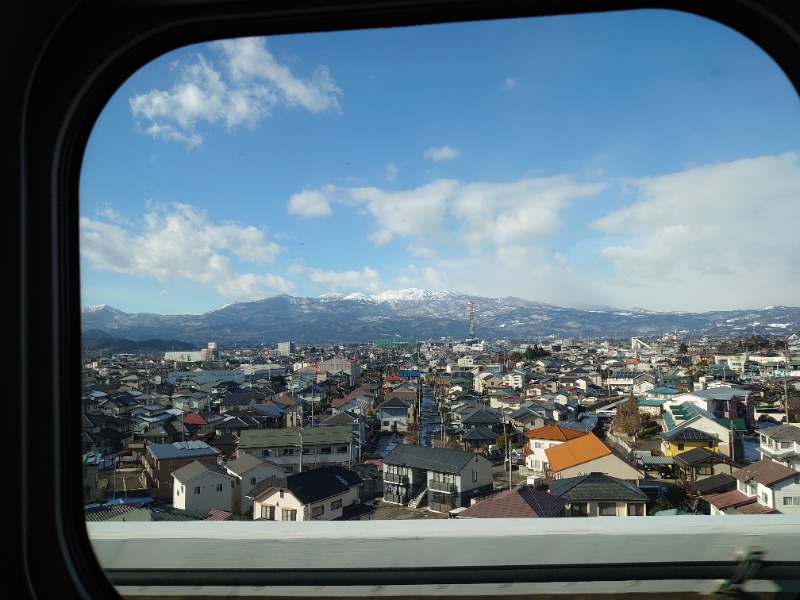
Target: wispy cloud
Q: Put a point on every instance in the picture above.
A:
(441, 153)
(243, 87)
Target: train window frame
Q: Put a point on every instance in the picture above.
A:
(65, 60)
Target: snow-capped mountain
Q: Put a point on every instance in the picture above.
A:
(422, 315)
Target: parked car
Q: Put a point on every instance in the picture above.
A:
(666, 472)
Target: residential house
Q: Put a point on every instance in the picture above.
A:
(675, 379)
(482, 417)
(730, 402)
(541, 439)
(192, 401)
(528, 417)
(105, 434)
(93, 490)
(202, 487)
(597, 494)
(444, 478)
(395, 413)
(587, 454)
(485, 380)
(247, 471)
(202, 424)
(515, 379)
(762, 487)
(781, 444)
(678, 415)
(119, 403)
(161, 460)
(630, 381)
(699, 463)
(696, 491)
(328, 493)
(524, 502)
(683, 439)
(294, 449)
(478, 438)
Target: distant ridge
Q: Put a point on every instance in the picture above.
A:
(421, 315)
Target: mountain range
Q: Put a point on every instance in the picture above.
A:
(414, 314)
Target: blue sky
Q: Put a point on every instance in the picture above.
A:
(642, 159)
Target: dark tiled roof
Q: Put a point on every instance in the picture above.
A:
(716, 483)
(479, 434)
(597, 486)
(688, 434)
(699, 455)
(521, 503)
(441, 460)
(317, 484)
(395, 402)
(481, 415)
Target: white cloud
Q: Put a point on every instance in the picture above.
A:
(391, 173)
(309, 203)
(367, 279)
(510, 83)
(720, 233)
(177, 242)
(380, 237)
(442, 153)
(246, 86)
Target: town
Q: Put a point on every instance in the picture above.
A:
(466, 429)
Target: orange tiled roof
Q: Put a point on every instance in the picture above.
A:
(554, 432)
(576, 452)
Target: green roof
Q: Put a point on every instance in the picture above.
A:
(738, 424)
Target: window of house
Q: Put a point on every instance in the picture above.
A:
(341, 449)
(267, 512)
(607, 509)
(317, 511)
(791, 500)
(288, 514)
(336, 504)
(252, 481)
(325, 450)
(635, 509)
(281, 493)
(579, 509)
(197, 489)
(218, 487)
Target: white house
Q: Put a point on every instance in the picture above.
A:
(324, 494)
(247, 471)
(762, 487)
(587, 454)
(543, 438)
(202, 487)
(781, 444)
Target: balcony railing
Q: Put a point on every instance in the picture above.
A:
(395, 478)
(442, 486)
